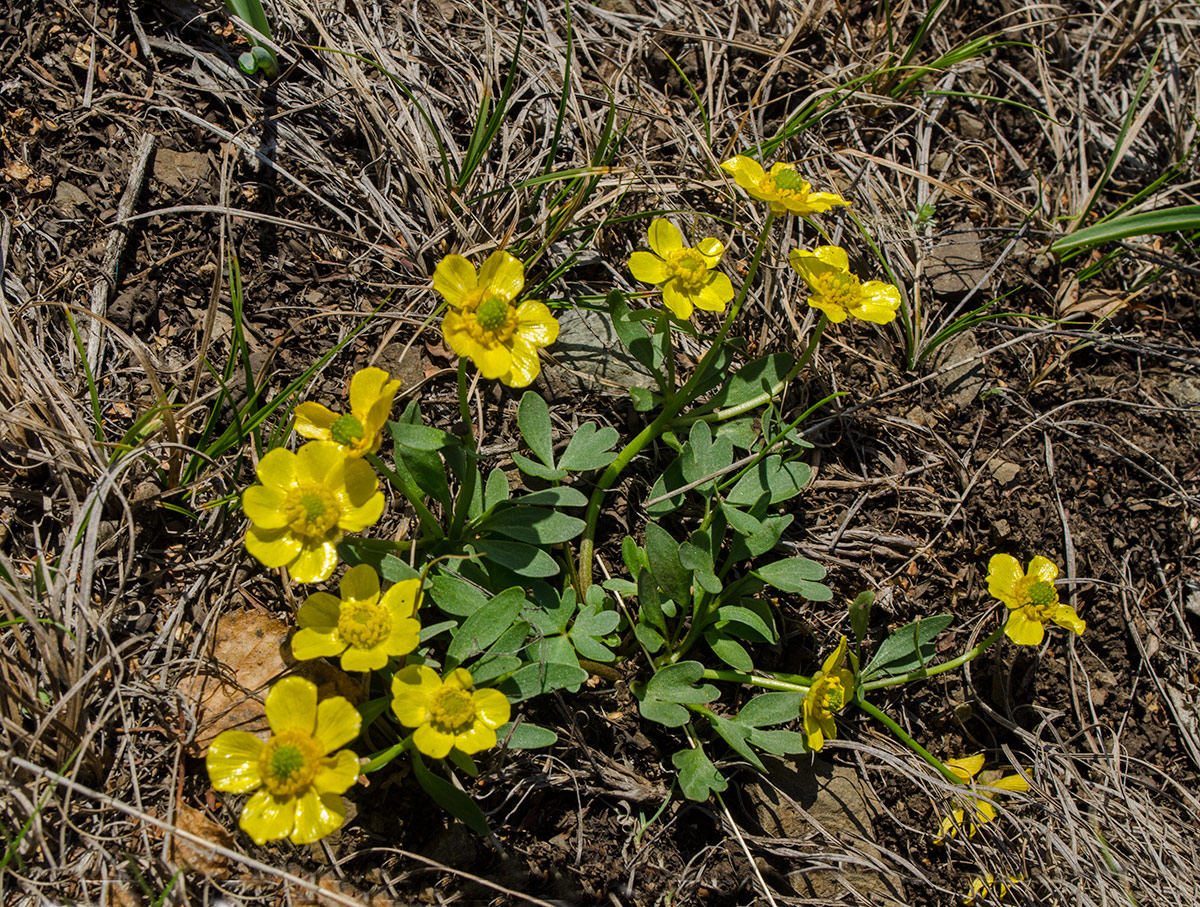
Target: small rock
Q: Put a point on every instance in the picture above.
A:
(954, 267)
(1002, 529)
(964, 384)
(919, 416)
(1183, 390)
(589, 357)
(814, 800)
(179, 170)
(1004, 472)
(970, 126)
(68, 197)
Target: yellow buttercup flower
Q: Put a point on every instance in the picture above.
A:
(486, 324)
(685, 275)
(363, 627)
(306, 503)
(981, 808)
(297, 778)
(837, 292)
(448, 714)
(832, 687)
(988, 889)
(1030, 597)
(372, 393)
(783, 187)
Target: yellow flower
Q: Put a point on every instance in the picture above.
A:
(486, 324)
(298, 782)
(981, 808)
(987, 889)
(832, 687)
(837, 292)
(782, 187)
(448, 714)
(685, 275)
(1030, 597)
(358, 431)
(364, 628)
(306, 503)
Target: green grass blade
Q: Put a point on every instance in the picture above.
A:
(1164, 220)
(93, 394)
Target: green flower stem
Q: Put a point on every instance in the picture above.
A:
(942, 668)
(463, 503)
(908, 741)
(428, 521)
(767, 683)
(587, 543)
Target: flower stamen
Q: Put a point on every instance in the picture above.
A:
(451, 710)
(312, 510)
(364, 624)
(289, 762)
(347, 430)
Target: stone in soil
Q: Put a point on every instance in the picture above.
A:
(588, 357)
(955, 266)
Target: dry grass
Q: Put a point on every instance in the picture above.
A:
(103, 620)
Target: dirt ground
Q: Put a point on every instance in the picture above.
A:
(1067, 427)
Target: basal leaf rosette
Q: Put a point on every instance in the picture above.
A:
(307, 502)
(298, 775)
(485, 321)
(447, 713)
(783, 188)
(362, 627)
(685, 275)
(840, 294)
(832, 687)
(1031, 598)
(360, 431)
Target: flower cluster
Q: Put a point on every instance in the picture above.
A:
(977, 809)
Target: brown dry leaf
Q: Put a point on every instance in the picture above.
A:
(193, 856)
(1092, 302)
(17, 171)
(249, 653)
(83, 54)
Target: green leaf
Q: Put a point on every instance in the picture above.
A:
(524, 560)
(737, 736)
(537, 470)
(552, 650)
(761, 542)
(590, 448)
(533, 418)
(698, 777)
(633, 336)
(534, 525)
(431, 631)
(730, 651)
(781, 480)
(590, 625)
(860, 614)
(752, 380)
(670, 479)
(700, 562)
(553, 621)
(650, 610)
(421, 437)
(562, 496)
(488, 669)
(740, 432)
(633, 556)
(537, 679)
(779, 743)
(380, 554)
(663, 553)
(760, 630)
(496, 490)
(644, 399)
(648, 637)
(501, 657)
(740, 521)
(771, 708)
(454, 595)
(907, 648)
(484, 627)
(525, 736)
(1148, 223)
(672, 685)
(449, 797)
(798, 575)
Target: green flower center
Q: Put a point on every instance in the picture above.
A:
(492, 313)
(1042, 593)
(1038, 598)
(451, 710)
(789, 181)
(364, 624)
(831, 697)
(312, 510)
(289, 762)
(837, 288)
(347, 430)
(688, 268)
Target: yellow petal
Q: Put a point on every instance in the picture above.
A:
(359, 482)
(480, 737)
(338, 722)
(834, 661)
(232, 762)
(491, 707)
(360, 584)
(292, 706)
(317, 459)
(456, 335)
(950, 826)
(535, 325)
(834, 256)
(364, 660)
(411, 688)
(879, 302)
(459, 679)
(272, 547)
(678, 302)
(338, 774)
(356, 519)
(648, 268)
(1011, 783)
(432, 742)
(814, 737)
(1022, 630)
(1004, 572)
(454, 277)
(320, 611)
(316, 816)
(277, 469)
(835, 313)
(405, 636)
(503, 275)
(715, 294)
(315, 564)
(664, 237)
(402, 598)
(819, 202)
(524, 365)
(368, 386)
(710, 250)
(314, 420)
(746, 171)
(309, 644)
(264, 506)
(1044, 570)
(265, 818)
(1065, 617)
(966, 767)
(492, 361)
